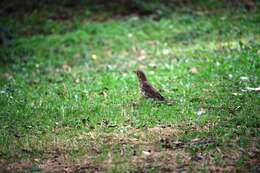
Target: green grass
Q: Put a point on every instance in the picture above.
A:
(72, 86)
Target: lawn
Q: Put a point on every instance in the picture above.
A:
(70, 102)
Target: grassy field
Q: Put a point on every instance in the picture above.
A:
(69, 99)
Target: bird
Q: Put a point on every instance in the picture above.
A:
(146, 89)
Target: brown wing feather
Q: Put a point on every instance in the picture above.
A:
(150, 92)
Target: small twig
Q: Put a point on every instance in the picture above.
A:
(251, 89)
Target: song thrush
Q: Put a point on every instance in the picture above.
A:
(146, 89)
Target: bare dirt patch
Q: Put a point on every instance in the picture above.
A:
(157, 149)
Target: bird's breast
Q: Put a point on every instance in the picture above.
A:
(142, 90)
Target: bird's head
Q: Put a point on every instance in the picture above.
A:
(141, 76)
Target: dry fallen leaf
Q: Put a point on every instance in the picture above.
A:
(151, 72)
(252, 89)
(93, 56)
(237, 94)
(130, 35)
(166, 51)
(244, 78)
(193, 70)
(201, 111)
(146, 153)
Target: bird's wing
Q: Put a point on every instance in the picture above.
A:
(151, 92)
